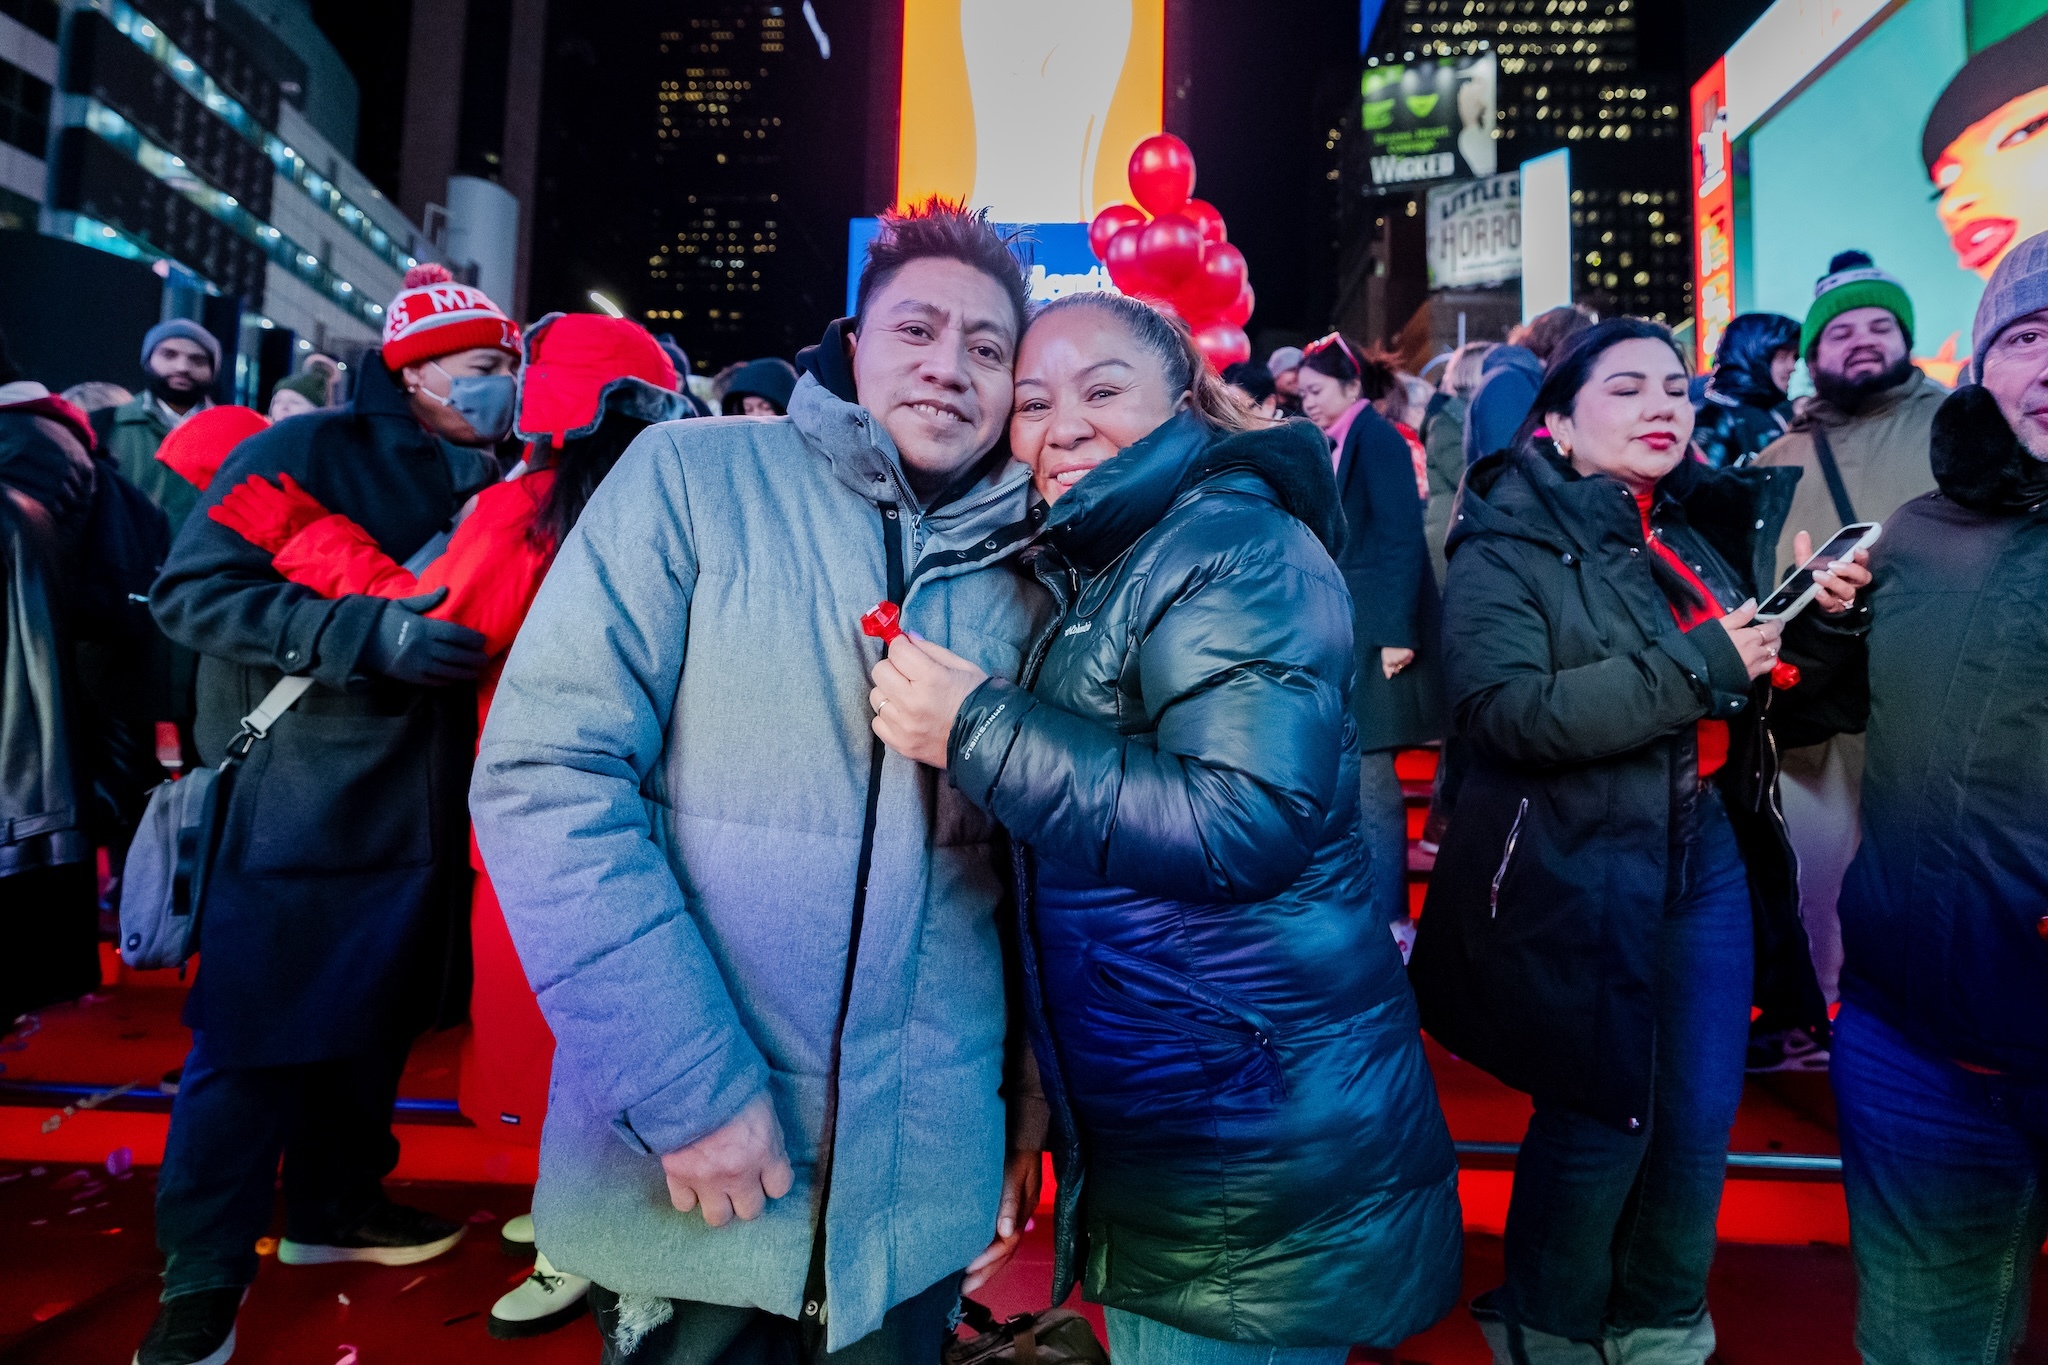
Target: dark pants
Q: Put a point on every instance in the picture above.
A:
(1384, 814)
(331, 1123)
(1611, 1232)
(1946, 1171)
(914, 1332)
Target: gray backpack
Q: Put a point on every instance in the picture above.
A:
(163, 882)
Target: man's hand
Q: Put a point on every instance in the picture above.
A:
(410, 647)
(735, 1170)
(917, 695)
(1023, 1173)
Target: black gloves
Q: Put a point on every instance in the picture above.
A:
(411, 648)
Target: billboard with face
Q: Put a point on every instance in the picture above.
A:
(1427, 120)
(1922, 141)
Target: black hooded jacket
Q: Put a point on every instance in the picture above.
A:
(1945, 909)
(1578, 698)
(1223, 1028)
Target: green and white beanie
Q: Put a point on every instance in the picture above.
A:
(1854, 281)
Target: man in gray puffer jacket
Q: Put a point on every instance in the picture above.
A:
(768, 948)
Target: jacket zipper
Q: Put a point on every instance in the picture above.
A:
(814, 1311)
(1507, 856)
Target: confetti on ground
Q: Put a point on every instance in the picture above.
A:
(483, 1216)
(119, 1160)
(462, 1317)
(343, 1298)
(348, 1356)
(414, 1283)
(50, 1310)
(266, 1246)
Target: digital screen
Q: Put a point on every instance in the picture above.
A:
(1428, 120)
(1924, 144)
(1546, 232)
(1029, 110)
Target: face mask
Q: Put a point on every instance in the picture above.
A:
(486, 401)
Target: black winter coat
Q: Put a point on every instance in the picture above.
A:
(1247, 1123)
(1385, 562)
(336, 917)
(1578, 698)
(1945, 910)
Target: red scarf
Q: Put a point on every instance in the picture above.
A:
(1713, 734)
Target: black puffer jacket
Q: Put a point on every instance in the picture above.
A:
(1945, 910)
(1223, 1028)
(1579, 699)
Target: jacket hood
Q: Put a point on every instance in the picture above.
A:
(1127, 495)
(1512, 358)
(1742, 365)
(1977, 460)
(770, 377)
(827, 362)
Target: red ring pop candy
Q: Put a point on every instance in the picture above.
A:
(884, 623)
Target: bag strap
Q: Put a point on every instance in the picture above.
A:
(1832, 472)
(256, 725)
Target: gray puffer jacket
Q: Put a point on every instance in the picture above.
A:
(689, 821)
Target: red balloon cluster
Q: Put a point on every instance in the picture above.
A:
(1172, 251)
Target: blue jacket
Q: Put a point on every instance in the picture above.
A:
(691, 827)
(1509, 378)
(1251, 1136)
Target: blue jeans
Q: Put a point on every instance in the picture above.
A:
(1946, 1172)
(331, 1123)
(1612, 1232)
(1384, 814)
(1141, 1341)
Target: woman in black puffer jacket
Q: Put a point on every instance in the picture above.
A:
(1223, 1026)
(1615, 887)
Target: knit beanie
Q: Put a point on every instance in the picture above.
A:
(1854, 281)
(185, 329)
(434, 316)
(310, 385)
(2018, 287)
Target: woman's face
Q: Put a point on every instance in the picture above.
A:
(754, 405)
(1632, 419)
(1323, 398)
(1993, 182)
(1086, 388)
(1781, 368)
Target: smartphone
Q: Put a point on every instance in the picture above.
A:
(1798, 588)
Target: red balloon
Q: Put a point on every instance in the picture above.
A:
(1162, 174)
(1240, 312)
(1126, 267)
(1206, 219)
(1108, 224)
(1218, 280)
(1170, 250)
(1223, 344)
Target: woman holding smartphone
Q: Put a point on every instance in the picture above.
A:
(1615, 886)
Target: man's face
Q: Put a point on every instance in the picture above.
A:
(932, 363)
(183, 369)
(1993, 182)
(1859, 344)
(1288, 382)
(2016, 374)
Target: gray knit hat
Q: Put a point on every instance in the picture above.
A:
(183, 328)
(1285, 359)
(2018, 287)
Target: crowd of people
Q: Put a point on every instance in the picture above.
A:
(977, 742)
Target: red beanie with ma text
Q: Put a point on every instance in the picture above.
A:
(434, 316)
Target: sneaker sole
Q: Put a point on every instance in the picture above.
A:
(312, 1253)
(219, 1357)
(514, 1248)
(504, 1329)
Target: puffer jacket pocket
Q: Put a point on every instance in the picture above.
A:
(1157, 1035)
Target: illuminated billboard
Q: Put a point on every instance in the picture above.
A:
(1427, 120)
(1917, 134)
(1029, 108)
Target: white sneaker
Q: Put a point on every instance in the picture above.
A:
(544, 1300)
(515, 1239)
